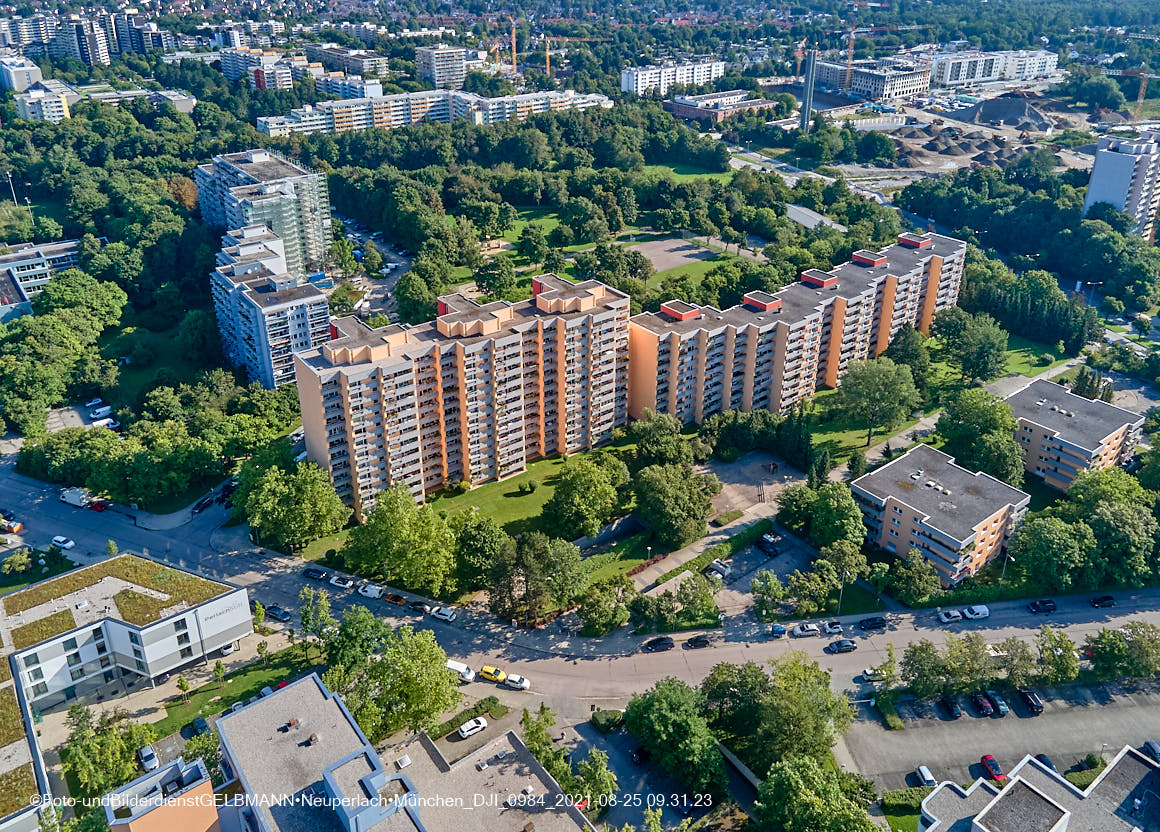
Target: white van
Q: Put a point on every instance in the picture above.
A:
(925, 778)
(465, 673)
(301, 457)
(100, 412)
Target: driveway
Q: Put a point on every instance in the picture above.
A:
(1076, 721)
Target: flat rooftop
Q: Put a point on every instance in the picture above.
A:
(1022, 809)
(267, 297)
(20, 252)
(954, 499)
(263, 165)
(1083, 422)
(800, 301)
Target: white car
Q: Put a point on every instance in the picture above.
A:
(832, 628)
(949, 616)
(370, 591)
(148, 758)
(91, 403)
(873, 674)
(977, 612)
(443, 613)
(472, 726)
(62, 542)
(341, 581)
(802, 630)
(516, 682)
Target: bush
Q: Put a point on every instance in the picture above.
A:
(905, 801)
(489, 705)
(885, 704)
(726, 517)
(606, 721)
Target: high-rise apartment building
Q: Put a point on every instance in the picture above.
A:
(264, 315)
(963, 69)
(18, 73)
(239, 63)
(776, 349)
(38, 30)
(443, 66)
(471, 396)
(341, 85)
(1126, 175)
(659, 77)
(82, 39)
(353, 61)
(262, 187)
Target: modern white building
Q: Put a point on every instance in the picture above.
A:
(264, 315)
(1126, 175)
(877, 80)
(31, 265)
(644, 79)
(444, 106)
(262, 187)
(963, 69)
(442, 66)
(121, 622)
(18, 73)
(41, 105)
(341, 85)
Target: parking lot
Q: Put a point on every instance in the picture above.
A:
(1076, 721)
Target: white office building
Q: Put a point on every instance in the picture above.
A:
(442, 66)
(659, 77)
(18, 73)
(1126, 175)
(264, 315)
(876, 80)
(964, 69)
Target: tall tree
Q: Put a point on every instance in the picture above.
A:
(667, 721)
(879, 393)
(583, 501)
(406, 686)
(674, 502)
(293, 508)
(802, 795)
(908, 347)
(980, 434)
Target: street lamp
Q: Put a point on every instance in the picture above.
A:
(841, 592)
(1003, 572)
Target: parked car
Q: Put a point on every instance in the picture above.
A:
(720, 567)
(802, 630)
(277, 613)
(999, 702)
(1041, 606)
(842, 645)
(981, 704)
(697, 642)
(91, 403)
(202, 504)
(315, 574)
(949, 616)
(925, 778)
(200, 726)
(369, 590)
(778, 630)
(62, 542)
(770, 543)
(951, 706)
(516, 682)
(7, 514)
(873, 674)
(395, 598)
(97, 505)
(1152, 749)
(443, 613)
(977, 612)
(419, 606)
(472, 727)
(658, 644)
(993, 769)
(876, 622)
(1103, 602)
(492, 673)
(1031, 700)
(148, 758)
(832, 628)
(1043, 758)
(342, 582)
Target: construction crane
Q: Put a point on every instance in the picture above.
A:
(514, 70)
(850, 54)
(1135, 73)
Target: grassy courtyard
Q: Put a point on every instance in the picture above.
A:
(684, 173)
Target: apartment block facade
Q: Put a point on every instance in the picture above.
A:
(264, 315)
(240, 63)
(644, 79)
(775, 349)
(442, 66)
(83, 40)
(31, 265)
(42, 105)
(261, 187)
(963, 69)
(471, 396)
(877, 80)
(443, 106)
(957, 519)
(353, 61)
(348, 86)
(1126, 175)
(1063, 434)
(18, 73)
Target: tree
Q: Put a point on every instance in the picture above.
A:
(536, 575)
(1109, 653)
(314, 612)
(351, 644)
(264, 652)
(407, 685)
(658, 440)
(1142, 325)
(219, 673)
(372, 259)
(924, 669)
(674, 502)
(480, 543)
(767, 591)
(19, 561)
(1058, 660)
(101, 752)
(802, 795)
(183, 686)
(834, 516)
(877, 392)
(497, 277)
(980, 434)
(1125, 537)
(1143, 659)
(915, 579)
(811, 588)
(801, 696)
(605, 605)
(112, 549)
(1017, 661)
(908, 347)
(979, 350)
(538, 738)
(584, 500)
(856, 465)
(887, 671)
(532, 243)
(597, 781)
(207, 747)
(967, 662)
(667, 722)
(1056, 552)
(403, 542)
(847, 558)
(696, 594)
(293, 508)
(259, 615)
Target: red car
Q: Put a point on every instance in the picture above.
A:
(98, 505)
(993, 769)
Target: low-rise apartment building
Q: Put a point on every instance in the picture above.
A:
(353, 61)
(42, 105)
(471, 396)
(964, 69)
(1063, 434)
(775, 349)
(177, 797)
(959, 520)
(644, 79)
(717, 106)
(32, 265)
(443, 106)
(264, 315)
(877, 80)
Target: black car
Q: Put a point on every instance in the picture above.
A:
(419, 606)
(697, 642)
(768, 543)
(1031, 700)
(641, 756)
(981, 704)
(277, 613)
(951, 705)
(1042, 605)
(876, 622)
(658, 645)
(1043, 758)
(202, 504)
(315, 574)
(1103, 602)
(7, 514)
(842, 645)
(200, 726)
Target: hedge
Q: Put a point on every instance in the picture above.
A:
(885, 704)
(489, 705)
(726, 517)
(606, 721)
(905, 801)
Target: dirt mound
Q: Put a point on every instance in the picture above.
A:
(1010, 109)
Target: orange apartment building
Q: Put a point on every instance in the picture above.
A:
(473, 395)
(1063, 434)
(957, 520)
(177, 797)
(775, 349)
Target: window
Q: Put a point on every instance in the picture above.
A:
(98, 633)
(101, 648)
(134, 638)
(31, 660)
(186, 652)
(70, 644)
(181, 625)
(73, 659)
(39, 689)
(894, 521)
(109, 676)
(76, 673)
(140, 665)
(106, 661)
(183, 638)
(36, 674)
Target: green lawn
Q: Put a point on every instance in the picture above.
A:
(855, 601)
(241, 684)
(54, 564)
(1023, 356)
(697, 269)
(546, 217)
(683, 173)
(621, 557)
(1042, 495)
(14, 221)
(164, 350)
(902, 822)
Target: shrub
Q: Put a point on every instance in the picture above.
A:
(885, 704)
(489, 705)
(727, 517)
(606, 721)
(904, 801)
